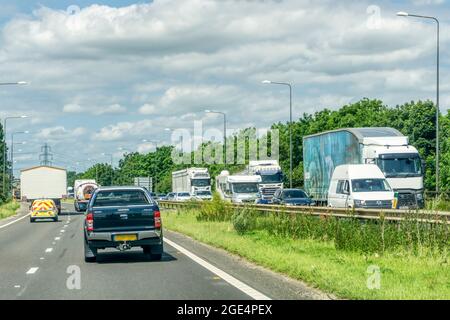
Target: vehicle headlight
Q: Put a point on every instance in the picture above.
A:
(238, 200)
(360, 202)
(290, 204)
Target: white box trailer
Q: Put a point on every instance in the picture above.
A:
(43, 182)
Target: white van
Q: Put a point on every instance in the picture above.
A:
(360, 186)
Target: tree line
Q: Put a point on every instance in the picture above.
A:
(417, 120)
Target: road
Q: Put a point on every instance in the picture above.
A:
(44, 260)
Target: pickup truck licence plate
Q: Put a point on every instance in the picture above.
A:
(125, 237)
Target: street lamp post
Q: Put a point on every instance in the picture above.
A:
(224, 131)
(4, 145)
(405, 14)
(290, 124)
(12, 155)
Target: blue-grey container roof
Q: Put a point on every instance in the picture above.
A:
(361, 133)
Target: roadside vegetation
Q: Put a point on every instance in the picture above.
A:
(336, 255)
(8, 209)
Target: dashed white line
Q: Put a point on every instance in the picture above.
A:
(32, 270)
(48, 250)
(57, 238)
(225, 276)
(62, 230)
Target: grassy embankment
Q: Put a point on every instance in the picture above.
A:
(337, 256)
(8, 209)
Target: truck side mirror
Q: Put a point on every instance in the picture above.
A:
(424, 166)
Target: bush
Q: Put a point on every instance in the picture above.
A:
(215, 210)
(244, 220)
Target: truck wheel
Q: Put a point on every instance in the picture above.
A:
(55, 219)
(90, 254)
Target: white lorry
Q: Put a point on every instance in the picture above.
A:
(83, 191)
(385, 147)
(360, 186)
(238, 188)
(195, 181)
(43, 182)
(271, 176)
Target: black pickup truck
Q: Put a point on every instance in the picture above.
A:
(122, 218)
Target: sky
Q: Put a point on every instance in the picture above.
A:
(105, 75)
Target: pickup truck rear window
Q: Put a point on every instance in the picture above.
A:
(120, 198)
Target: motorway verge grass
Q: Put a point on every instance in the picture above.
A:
(397, 274)
(8, 209)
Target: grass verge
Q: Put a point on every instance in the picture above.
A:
(346, 274)
(8, 209)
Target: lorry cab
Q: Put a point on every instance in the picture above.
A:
(238, 188)
(360, 186)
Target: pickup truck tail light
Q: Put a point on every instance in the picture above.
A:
(90, 222)
(157, 217)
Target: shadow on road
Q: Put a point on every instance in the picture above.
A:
(137, 256)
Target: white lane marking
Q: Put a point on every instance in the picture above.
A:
(63, 231)
(10, 223)
(48, 250)
(222, 274)
(65, 226)
(32, 270)
(17, 286)
(57, 238)
(41, 258)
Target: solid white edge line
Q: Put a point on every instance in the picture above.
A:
(256, 295)
(10, 223)
(32, 270)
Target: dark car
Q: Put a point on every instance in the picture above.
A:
(122, 218)
(292, 197)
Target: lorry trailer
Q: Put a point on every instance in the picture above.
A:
(83, 191)
(385, 147)
(43, 182)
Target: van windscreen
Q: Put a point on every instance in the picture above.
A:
(370, 185)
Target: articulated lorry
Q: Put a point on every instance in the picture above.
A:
(238, 188)
(271, 177)
(83, 191)
(195, 181)
(43, 182)
(385, 147)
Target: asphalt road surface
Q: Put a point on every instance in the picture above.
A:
(44, 260)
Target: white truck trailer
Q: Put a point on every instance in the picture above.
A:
(238, 188)
(83, 191)
(386, 147)
(43, 182)
(271, 176)
(195, 181)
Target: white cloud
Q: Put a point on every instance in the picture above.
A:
(95, 110)
(148, 109)
(123, 129)
(167, 61)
